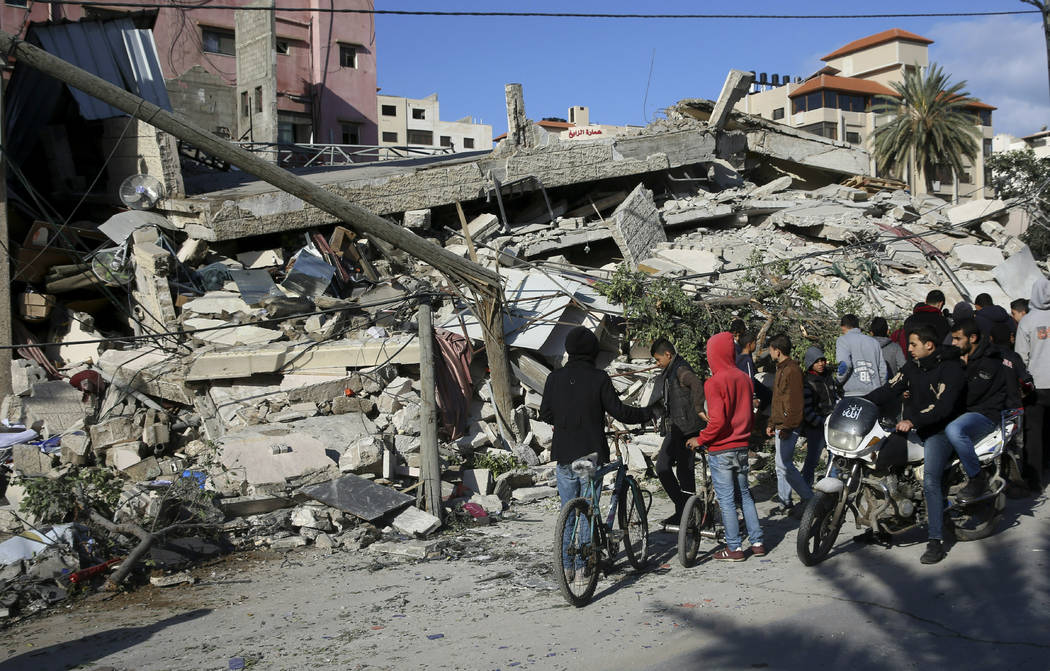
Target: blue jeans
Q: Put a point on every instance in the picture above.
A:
(937, 452)
(569, 488)
(788, 477)
(728, 472)
(814, 447)
(963, 432)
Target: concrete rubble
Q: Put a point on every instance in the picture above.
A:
(285, 383)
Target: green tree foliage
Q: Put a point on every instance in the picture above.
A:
(931, 125)
(1021, 174)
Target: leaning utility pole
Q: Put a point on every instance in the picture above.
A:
(430, 463)
(1044, 8)
(5, 273)
(483, 282)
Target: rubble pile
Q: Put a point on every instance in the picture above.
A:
(283, 379)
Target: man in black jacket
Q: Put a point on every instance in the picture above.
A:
(576, 398)
(936, 384)
(929, 314)
(988, 314)
(681, 395)
(987, 392)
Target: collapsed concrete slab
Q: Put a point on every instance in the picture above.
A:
(276, 456)
(636, 225)
(148, 370)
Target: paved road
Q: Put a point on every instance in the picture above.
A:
(491, 604)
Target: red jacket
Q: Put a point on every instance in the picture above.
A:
(729, 392)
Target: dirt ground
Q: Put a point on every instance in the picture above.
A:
(490, 602)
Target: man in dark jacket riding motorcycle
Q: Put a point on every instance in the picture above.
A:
(935, 382)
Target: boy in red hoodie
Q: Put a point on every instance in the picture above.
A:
(729, 392)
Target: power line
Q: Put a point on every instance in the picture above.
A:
(560, 15)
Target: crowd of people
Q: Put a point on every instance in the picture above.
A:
(947, 376)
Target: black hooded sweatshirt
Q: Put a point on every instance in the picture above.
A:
(989, 316)
(987, 379)
(576, 398)
(938, 390)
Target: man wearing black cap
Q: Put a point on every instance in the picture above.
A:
(576, 398)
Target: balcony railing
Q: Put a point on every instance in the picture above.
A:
(313, 155)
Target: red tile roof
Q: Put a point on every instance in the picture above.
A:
(846, 84)
(876, 39)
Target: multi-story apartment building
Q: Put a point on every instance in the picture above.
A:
(307, 76)
(839, 102)
(417, 122)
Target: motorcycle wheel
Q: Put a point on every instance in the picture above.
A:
(974, 522)
(817, 531)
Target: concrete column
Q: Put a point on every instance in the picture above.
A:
(736, 86)
(517, 124)
(5, 275)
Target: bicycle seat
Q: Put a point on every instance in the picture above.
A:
(584, 467)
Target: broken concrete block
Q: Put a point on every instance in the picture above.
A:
(416, 522)
(24, 374)
(776, 186)
(342, 405)
(266, 258)
(388, 404)
(507, 482)
(312, 516)
(636, 225)
(56, 404)
(124, 455)
(977, 257)
(119, 429)
(146, 469)
(151, 371)
(693, 260)
(478, 480)
(181, 578)
(289, 543)
(1018, 273)
(75, 448)
(525, 454)
(492, 504)
(276, 456)
(415, 549)
(976, 210)
(406, 420)
(323, 541)
(295, 412)
(218, 304)
(364, 454)
(29, 461)
(155, 431)
(360, 537)
(542, 432)
(240, 335)
(482, 226)
(530, 494)
(417, 219)
(358, 496)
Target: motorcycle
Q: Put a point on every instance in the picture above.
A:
(888, 497)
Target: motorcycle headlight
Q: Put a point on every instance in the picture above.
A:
(840, 440)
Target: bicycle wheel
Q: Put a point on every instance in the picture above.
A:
(693, 517)
(634, 525)
(576, 553)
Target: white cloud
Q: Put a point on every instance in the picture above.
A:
(1003, 60)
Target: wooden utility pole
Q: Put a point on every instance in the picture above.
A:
(5, 271)
(483, 281)
(1044, 8)
(430, 470)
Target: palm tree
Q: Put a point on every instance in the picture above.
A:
(930, 126)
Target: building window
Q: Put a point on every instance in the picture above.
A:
(347, 56)
(987, 146)
(985, 117)
(446, 141)
(965, 178)
(389, 110)
(778, 113)
(824, 129)
(420, 137)
(389, 137)
(852, 138)
(283, 47)
(258, 99)
(219, 41)
(16, 3)
(419, 113)
(245, 107)
(294, 128)
(468, 143)
(351, 133)
(943, 174)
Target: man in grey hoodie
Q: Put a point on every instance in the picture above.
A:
(891, 351)
(861, 367)
(1032, 342)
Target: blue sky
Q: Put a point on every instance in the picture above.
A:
(604, 64)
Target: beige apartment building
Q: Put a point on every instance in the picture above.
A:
(837, 102)
(417, 123)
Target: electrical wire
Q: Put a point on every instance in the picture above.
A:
(559, 15)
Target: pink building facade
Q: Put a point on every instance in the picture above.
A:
(325, 65)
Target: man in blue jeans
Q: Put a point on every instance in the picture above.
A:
(935, 382)
(785, 421)
(726, 436)
(576, 398)
(986, 398)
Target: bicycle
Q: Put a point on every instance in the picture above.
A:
(701, 517)
(577, 550)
